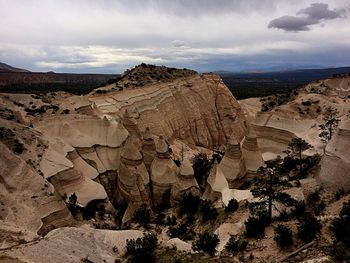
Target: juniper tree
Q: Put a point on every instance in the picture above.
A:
(329, 125)
(268, 186)
(201, 166)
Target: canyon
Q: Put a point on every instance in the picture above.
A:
(132, 142)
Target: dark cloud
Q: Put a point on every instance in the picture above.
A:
(312, 15)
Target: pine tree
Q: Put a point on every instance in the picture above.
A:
(330, 124)
(295, 150)
(268, 186)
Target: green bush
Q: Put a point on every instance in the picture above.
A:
(232, 206)
(206, 242)
(72, 203)
(308, 227)
(141, 249)
(255, 226)
(283, 236)
(189, 204)
(182, 231)
(208, 211)
(299, 209)
(341, 225)
(236, 244)
(340, 252)
(201, 166)
(143, 215)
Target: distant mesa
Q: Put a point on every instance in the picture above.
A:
(7, 68)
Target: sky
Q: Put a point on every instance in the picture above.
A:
(109, 36)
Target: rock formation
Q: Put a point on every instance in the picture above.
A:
(251, 152)
(232, 164)
(335, 164)
(185, 182)
(163, 173)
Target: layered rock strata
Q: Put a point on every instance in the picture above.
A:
(335, 163)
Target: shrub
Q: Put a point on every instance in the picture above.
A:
(182, 231)
(206, 242)
(314, 197)
(255, 226)
(341, 225)
(208, 211)
(141, 249)
(93, 207)
(306, 103)
(236, 244)
(189, 204)
(142, 216)
(340, 252)
(339, 193)
(299, 209)
(283, 236)
(232, 206)
(201, 166)
(308, 227)
(72, 203)
(319, 207)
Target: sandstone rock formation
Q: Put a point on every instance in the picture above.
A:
(232, 164)
(163, 173)
(335, 164)
(185, 182)
(251, 152)
(112, 145)
(73, 245)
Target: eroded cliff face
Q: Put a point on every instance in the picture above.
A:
(335, 164)
(198, 109)
(298, 118)
(115, 143)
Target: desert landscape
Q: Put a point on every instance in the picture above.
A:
(172, 153)
(174, 131)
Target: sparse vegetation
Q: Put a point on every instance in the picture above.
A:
(201, 166)
(236, 244)
(143, 215)
(72, 203)
(141, 249)
(207, 210)
(308, 227)
(255, 226)
(329, 125)
(206, 242)
(188, 204)
(268, 185)
(183, 231)
(283, 236)
(232, 206)
(341, 225)
(295, 150)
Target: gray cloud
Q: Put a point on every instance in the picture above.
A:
(108, 36)
(178, 43)
(312, 15)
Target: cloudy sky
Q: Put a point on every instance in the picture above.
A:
(108, 36)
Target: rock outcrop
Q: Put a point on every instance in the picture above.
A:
(163, 173)
(335, 163)
(198, 109)
(73, 245)
(114, 142)
(232, 164)
(185, 182)
(251, 152)
(29, 204)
